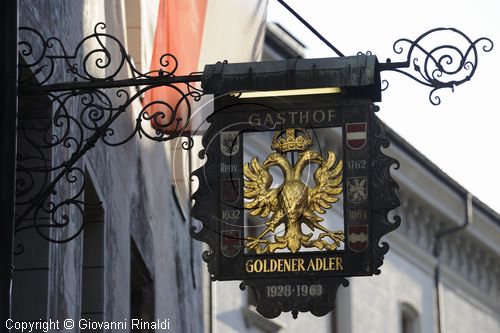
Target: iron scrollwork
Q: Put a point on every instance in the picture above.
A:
(60, 122)
(105, 59)
(438, 67)
(386, 188)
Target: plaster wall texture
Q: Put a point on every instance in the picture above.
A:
(376, 302)
(227, 309)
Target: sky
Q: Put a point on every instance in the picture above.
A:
(461, 135)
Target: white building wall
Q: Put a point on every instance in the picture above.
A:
(463, 314)
(376, 301)
(408, 277)
(228, 317)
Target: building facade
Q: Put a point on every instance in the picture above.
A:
(121, 247)
(134, 257)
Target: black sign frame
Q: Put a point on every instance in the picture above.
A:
(219, 201)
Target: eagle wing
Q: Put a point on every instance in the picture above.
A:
(328, 179)
(257, 187)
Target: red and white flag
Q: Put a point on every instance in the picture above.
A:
(199, 32)
(179, 31)
(356, 135)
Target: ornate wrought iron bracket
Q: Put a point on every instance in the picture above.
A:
(71, 118)
(438, 66)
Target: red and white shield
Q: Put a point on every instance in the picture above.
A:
(356, 135)
(357, 237)
(230, 243)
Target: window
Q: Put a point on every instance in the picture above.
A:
(409, 319)
(92, 296)
(142, 300)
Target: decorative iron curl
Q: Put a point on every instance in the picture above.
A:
(73, 134)
(367, 53)
(105, 59)
(384, 85)
(51, 218)
(442, 66)
(386, 188)
(70, 118)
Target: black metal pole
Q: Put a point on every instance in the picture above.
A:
(73, 86)
(8, 125)
(437, 292)
(311, 28)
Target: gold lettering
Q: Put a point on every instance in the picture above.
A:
(319, 264)
(249, 266)
(311, 265)
(324, 264)
(331, 264)
(257, 269)
(287, 265)
(339, 264)
(273, 265)
(293, 265)
(301, 265)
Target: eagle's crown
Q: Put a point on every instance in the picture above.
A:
(291, 139)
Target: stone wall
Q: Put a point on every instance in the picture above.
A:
(133, 182)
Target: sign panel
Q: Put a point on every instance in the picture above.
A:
(287, 198)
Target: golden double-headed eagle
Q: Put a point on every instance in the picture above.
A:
(293, 202)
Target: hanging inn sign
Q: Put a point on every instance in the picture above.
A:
(295, 190)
